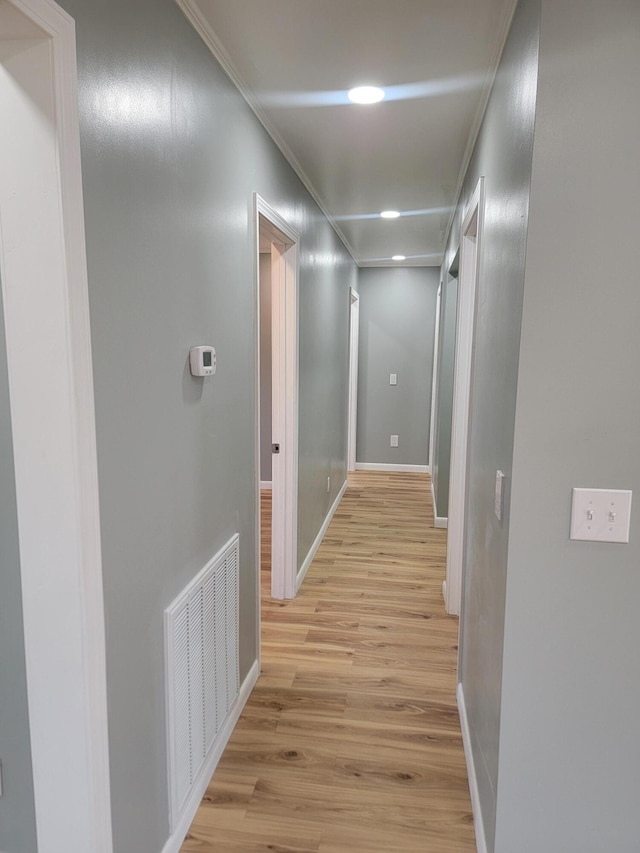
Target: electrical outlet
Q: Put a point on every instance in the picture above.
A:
(394, 441)
(393, 379)
(600, 515)
(328, 484)
(499, 495)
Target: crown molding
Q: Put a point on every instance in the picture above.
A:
(489, 80)
(194, 15)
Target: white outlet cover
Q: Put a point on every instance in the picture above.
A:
(601, 515)
(394, 441)
(393, 379)
(499, 497)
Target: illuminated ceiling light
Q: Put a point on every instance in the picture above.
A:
(365, 95)
(399, 258)
(390, 214)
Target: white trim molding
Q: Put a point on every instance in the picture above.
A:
(266, 485)
(470, 264)
(193, 13)
(503, 28)
(304, 568)
(435, 379)
(284, 381)
(174, 842)
(45, 297)
(438, 520)
(383, 466)
(481, 838)
(352, 418)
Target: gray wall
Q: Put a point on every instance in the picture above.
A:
(569, 778)
(397, 323)
(171, 156)
(323, 379)
(549, 628)
(441, 463)
(265, 367)
(17, 812)
(503, 155)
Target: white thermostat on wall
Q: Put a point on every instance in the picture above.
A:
(202, 361)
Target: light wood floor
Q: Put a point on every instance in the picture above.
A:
(351, 738)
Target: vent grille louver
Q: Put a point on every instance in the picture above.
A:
(201, 643)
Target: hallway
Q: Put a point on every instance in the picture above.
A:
(351, 738)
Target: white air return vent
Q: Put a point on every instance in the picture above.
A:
(201, 643)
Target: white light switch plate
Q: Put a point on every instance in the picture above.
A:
(393, 441)
(601, 515)
(393, 379)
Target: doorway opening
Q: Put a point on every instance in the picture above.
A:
(435, 381)
(277, 390)
(471, 238)
(443, 389)
(354, 331)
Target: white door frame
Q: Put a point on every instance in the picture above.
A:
(284, 338)
(435, 378)
(44, 289)
(354, 334)
(470, 247)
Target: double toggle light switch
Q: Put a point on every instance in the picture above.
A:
(601, 515)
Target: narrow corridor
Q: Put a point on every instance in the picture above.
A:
(351, 738)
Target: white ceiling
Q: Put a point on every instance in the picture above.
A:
(294, 60)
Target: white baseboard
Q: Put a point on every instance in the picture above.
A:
(266, 484)
(383, 466)
(174, 842)
(304, 568)
(438, 520)
(481, 839)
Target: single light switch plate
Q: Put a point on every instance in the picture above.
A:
(393, 379)
(499, 496)
(601, 515)
(393, 441)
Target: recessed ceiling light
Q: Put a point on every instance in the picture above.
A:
(390, 214)
(399, 258)
(365, 95)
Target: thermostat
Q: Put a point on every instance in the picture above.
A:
(202, 361)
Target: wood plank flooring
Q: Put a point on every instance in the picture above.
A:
(351, 739)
